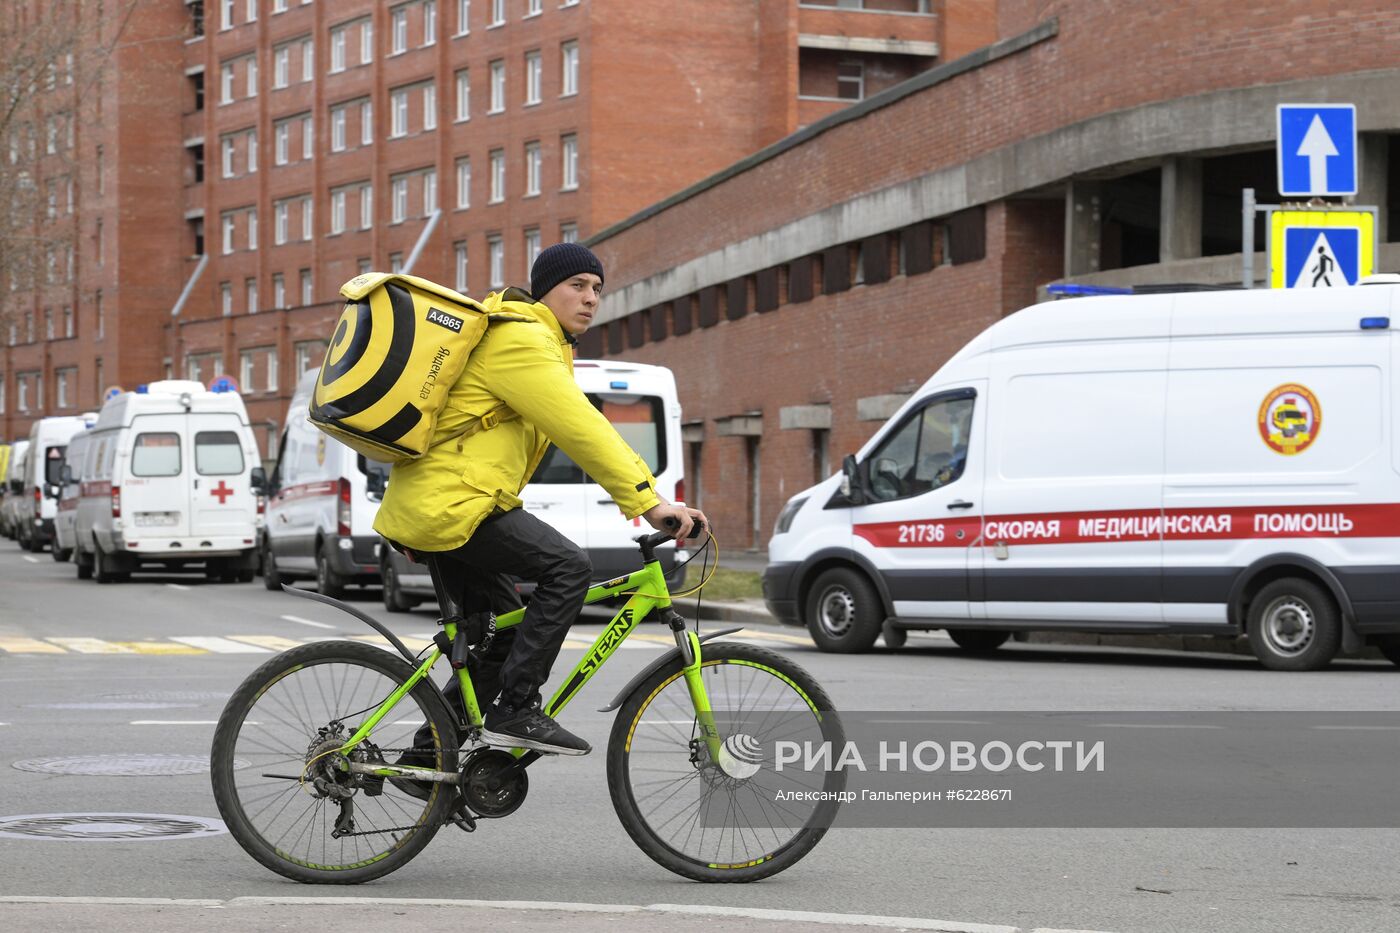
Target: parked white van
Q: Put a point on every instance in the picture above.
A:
(69, 490)
(38, 504)
(14, 488)
(320, 508)
(641, 402)
(1216, 463)
(170, 480)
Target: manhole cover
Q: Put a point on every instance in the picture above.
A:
(122, 765)
(108, 827)
(168, 696)
(110, 705)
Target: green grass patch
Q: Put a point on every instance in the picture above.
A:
(726, 584)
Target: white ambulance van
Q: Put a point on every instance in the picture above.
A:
(320, 508)
(170, 481)
(38, 505)
(14, 489)
(1218, 463)
(641, 402)
(69, 489)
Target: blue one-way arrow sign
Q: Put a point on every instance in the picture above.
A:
(1316, 149)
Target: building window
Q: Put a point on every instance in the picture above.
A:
(308, 59)
(497, 249)
(68, 321)
(251, 141)
(363, 265)
(281, 138)
(569, 57)
(366, 42)
(532, 246)
(396, 262)
(429, 22)
(366, 206)
(225, 14)
(226, 225)
(309, 354)
(250, 293)
(48, 324)
(226, 157)
(281, 66)
(568, 233)
(429, 191)
(464, 95)
(534, 76)
(252, 85)
(459, 253)
(280, 213)
(306, 218)
(63, 380)
(429, 106)
(308, 137)
(226, 298)
(398, 189)
(226, 84)
(534, 162)
(97, 311)
(398, 102)
(464, 183)
(305, 286)
(498, 176)
(398, 20)
(498, 86)
(338, 129)
(534, 7)
(569, 148)
(337, 211)
(338, 48)
(850, 81)
(498, 12)
(252, 11)
(279, 291)
(464, 17)
(253, 229)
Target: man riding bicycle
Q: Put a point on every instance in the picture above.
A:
(460, 504)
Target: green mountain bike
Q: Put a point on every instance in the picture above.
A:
(301, 761)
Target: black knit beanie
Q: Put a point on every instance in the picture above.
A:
(558, 263)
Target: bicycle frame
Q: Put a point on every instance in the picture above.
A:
(648, 592)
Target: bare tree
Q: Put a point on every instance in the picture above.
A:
(56, 52)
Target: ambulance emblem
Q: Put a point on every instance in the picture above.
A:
(1290, 419)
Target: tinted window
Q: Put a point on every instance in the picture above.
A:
(53, 464)
(640, 419)
(218, 453)
(924, 453)
(156, 454)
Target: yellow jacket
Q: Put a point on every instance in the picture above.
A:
(436, 502)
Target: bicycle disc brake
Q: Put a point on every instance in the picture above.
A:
(493, 785)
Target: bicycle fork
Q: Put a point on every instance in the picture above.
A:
(689, 645)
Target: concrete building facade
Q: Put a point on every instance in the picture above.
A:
(246, 157)
(807, 289)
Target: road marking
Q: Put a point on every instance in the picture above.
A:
(91, 646)
(31, 559)
(17, 645)
(160, 647)
(774, 636)
(411, 643)
(218, 645)
(177, 586)
(301, 621)
(275, 642)
(181, 722)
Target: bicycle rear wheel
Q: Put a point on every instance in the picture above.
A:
(275, 770)
(729, 821)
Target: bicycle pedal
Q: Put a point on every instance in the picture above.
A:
(462, 819)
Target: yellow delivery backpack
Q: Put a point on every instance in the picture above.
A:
(399, 345)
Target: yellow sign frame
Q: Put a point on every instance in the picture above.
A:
(1364, 222)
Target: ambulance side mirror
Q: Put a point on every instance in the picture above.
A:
(850, 481)
(258, 480)
(376, 476)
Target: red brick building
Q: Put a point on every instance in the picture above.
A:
(807, 289)
(242, 158)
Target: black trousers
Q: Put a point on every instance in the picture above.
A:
(517, 544)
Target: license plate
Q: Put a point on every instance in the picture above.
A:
(156, 519)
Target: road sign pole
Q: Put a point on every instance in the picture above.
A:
(1247, 238)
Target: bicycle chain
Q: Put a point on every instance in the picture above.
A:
(394, 829)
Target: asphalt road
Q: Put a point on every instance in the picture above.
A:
(143, 669)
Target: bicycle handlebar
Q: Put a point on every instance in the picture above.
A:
(649, 542)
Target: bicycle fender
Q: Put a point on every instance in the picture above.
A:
(669, 657)
(367, 620)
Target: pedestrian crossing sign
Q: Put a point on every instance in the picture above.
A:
(1320, 249)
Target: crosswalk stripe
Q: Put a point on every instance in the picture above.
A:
(218, 645)
(774, 636)
(275, 642)
(17, 645)
(160, 647)
(91, 646)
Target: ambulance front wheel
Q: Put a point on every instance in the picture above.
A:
(844, 612)
(1294, 626)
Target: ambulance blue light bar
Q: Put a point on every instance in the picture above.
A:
(142, 390)
(1375, 323)
(1075, 290)
(617, 385)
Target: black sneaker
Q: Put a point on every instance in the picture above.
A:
(419, 789)
(528, 727)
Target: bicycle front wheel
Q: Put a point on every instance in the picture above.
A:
(742, 818)
(281, 785)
